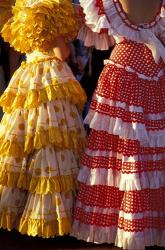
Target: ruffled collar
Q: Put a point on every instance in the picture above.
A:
(107, 16)
(126, 20)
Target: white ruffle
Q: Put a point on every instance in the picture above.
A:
(143, 180)
(127, 130)
(92, 233)
(120, 213)
(131, 70)
(90, 38)
(126, 240)
(108, 177)
(117, 28)
(132, 240)
(132, 158)
(125, 182)
(131, 108)
(132, 131)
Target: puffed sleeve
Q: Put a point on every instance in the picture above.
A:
(97, 30)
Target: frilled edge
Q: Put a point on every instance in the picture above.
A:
(61, 139)
(44, 228)
(71, 90)
(90, 38)
(92, 233)
(124, 239)
(32, 227)
(104, 21)
(131, 181)
(39, 185)
(127, 130)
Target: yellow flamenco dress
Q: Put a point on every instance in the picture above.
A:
(41, 133)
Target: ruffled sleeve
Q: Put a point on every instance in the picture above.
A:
(36, 24)
(105, 20)
(97, 30)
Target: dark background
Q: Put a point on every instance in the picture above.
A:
(15, 241)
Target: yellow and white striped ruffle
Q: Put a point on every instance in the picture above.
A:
(33, 214)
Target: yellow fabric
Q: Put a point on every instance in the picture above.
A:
(40, 185)
(45, 228)
(55, 184)
(7, 220)
(36, 27)
(61, 140)
(42, 133)
(34, 214)
(71, 90)
(56, 136)
(11, 148)
(11, 179)
(5, 11)
(32, 227)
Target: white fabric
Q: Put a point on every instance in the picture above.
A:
(117, 28)
(124, 239)
(125, 182)
(128, 130)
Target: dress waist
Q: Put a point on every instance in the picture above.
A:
(36, 56)
(137, 56)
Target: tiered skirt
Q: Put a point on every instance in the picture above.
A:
(122, 177)
(41, 138)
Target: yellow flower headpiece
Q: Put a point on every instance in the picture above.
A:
(36, 24)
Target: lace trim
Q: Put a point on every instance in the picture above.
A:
(126, 20)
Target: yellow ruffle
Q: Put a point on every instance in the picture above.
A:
(5, 11)
(44, 185)
(36, 27)
(7, 220)
(31, 227)
(39, 185)
(71, 90)
(59, 138)
(44, 228)
(11, 148)
(13, 179)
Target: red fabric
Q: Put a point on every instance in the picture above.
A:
(110, 151)
(101, 140)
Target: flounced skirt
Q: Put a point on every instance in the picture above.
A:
(122, 177)
(41, 138)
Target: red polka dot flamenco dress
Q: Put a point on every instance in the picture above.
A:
(122, 177)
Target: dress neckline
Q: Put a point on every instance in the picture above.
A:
(128, 22)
